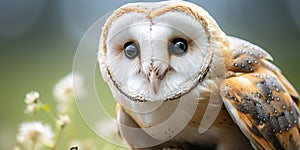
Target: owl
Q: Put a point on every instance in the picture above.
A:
(181, 83)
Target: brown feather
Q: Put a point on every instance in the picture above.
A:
(267, 106)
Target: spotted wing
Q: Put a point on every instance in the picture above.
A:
(259, 99)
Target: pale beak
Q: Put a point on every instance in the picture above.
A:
(154, 81)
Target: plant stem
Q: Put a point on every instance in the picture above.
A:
(58, 135)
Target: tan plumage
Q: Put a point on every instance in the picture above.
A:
(260, 99)
(219, 93)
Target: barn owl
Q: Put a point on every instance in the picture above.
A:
(180, 82)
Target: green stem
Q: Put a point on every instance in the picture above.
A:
(48, 111)
(58, 135)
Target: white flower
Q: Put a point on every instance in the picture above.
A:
(31, 108)
(63, 120)
(32, 97)
(107, 128)
(16, 148)
(64, 90)
(35, 134)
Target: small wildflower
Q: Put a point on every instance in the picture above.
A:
(32, 97)
(107, 128)
(63, 120)
(16, 148)
(64, 90)
(35, 134)
(31, 108)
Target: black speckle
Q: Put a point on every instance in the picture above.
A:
(243, 65)
(251, 69)
(273, 84)
(247, 98)
(295, 121)
(233, 97)
(226, 93)
(258, 95)
(280, 131)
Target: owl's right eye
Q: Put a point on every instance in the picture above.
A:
(131, 50)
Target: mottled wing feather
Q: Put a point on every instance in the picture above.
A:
(259, 99)
(290, 89)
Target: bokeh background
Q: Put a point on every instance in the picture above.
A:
(38, 41)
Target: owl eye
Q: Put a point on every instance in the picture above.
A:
(178, 47)
(131, 50)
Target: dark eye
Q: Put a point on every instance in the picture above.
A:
(178, 47)
(131, 50)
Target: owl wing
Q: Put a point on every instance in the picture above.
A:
(259, 99)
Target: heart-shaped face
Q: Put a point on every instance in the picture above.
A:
(157, 51)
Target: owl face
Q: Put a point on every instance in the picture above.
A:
(156, 51)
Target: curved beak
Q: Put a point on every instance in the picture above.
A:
(154, 81)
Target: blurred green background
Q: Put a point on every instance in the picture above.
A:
(38, 41)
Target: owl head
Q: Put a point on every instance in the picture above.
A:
(158, 51)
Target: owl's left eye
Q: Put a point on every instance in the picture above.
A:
(178, 47)
(131, 50)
